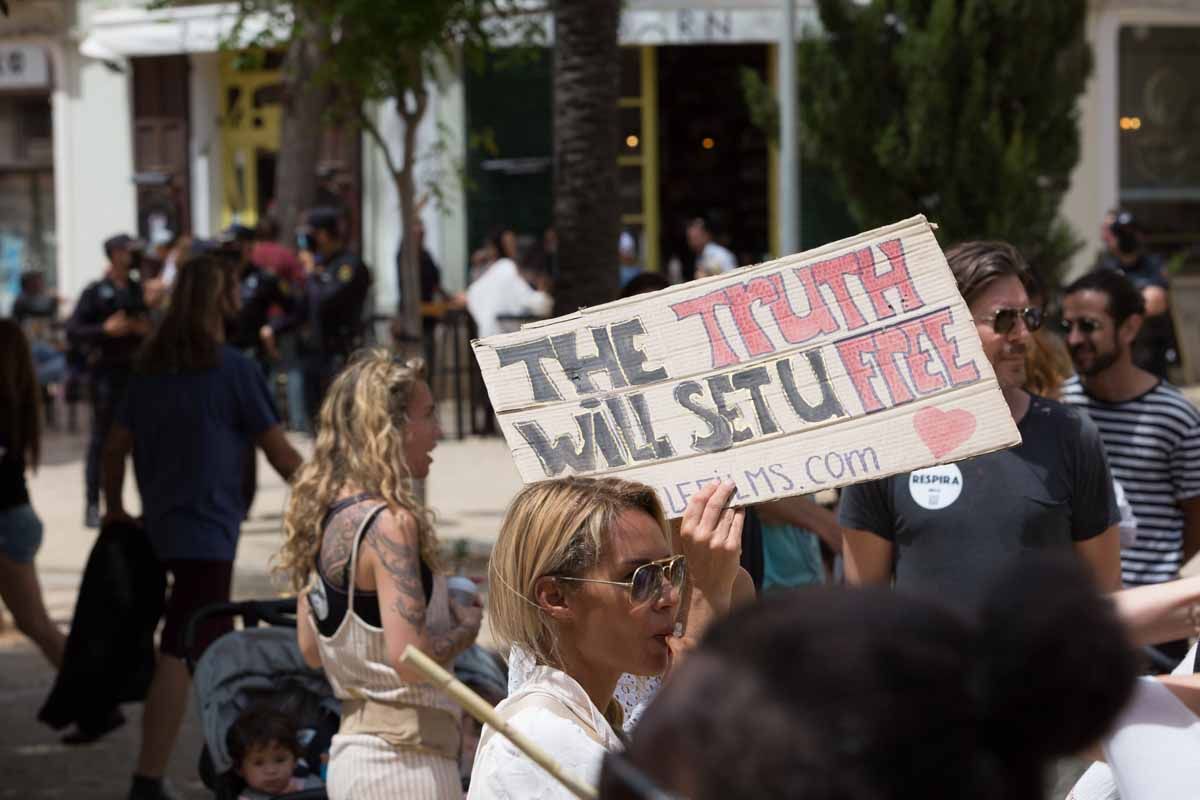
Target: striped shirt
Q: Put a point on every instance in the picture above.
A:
(1153, 447)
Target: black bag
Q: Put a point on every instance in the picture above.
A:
(110, 656)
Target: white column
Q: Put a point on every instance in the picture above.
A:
(789, 164)
(204, 143)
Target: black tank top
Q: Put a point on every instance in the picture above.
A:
(366, 604)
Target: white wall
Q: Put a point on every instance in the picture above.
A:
(440, 143)
(93, 152)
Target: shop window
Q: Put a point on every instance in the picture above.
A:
(1158, 129)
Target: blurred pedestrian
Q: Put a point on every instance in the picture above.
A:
(270, 254)
(285, 264)
(362, 551)
(36, 311)
(507, 290)
(330, 315)
(711, 258)
(1154, 349)
(20, 528)
(951, 528)
(109, 323)
(1150, 430)
(430, 286)
(192, 408)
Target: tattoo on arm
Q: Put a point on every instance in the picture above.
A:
(403, 564)
(402, 561)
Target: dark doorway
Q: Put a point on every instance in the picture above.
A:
(713, 160)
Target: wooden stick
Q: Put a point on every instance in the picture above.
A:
(478, 708)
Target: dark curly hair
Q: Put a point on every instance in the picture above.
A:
(833, 693)
(260, 726)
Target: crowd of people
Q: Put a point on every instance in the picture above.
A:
(955, 631)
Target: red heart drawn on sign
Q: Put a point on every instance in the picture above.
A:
(943, 431)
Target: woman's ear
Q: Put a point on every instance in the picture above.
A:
(552, 599)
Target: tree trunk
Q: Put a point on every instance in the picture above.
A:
(301, 126)
(410, 328)
(586, 205)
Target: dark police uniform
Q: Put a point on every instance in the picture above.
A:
(260, 291)
(330, 318)
(110, 359)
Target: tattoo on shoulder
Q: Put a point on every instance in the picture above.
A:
(337, 543)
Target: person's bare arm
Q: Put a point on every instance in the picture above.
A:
(1191, 527)
(1159, 613)
(803, 512)
(395, 559)
(1103, 555)
(112, 471)
(306, 636)
(279, 451)
(868, 558)
(1155, 298)
(710, 535)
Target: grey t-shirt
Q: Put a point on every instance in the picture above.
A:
(955, 526)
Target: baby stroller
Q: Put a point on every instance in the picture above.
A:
(258, 664)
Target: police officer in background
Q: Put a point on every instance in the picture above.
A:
(330, 313)
(1154, 349)
(260, 291)
(109, 323)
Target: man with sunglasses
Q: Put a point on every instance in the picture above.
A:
(952, 528)
(1150, 430)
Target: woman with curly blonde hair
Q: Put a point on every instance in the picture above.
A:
(360, 606)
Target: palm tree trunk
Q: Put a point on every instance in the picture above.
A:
(587, 69)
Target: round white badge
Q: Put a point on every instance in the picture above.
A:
(317, 600)
(935, 487)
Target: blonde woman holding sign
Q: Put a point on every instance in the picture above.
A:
(585, 581)
(362, 550)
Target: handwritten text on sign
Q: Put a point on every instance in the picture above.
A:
(853, 361)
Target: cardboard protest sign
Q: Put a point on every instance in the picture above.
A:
(853, 361)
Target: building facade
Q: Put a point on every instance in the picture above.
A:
(117, 117)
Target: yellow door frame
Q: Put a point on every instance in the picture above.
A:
(245, 131)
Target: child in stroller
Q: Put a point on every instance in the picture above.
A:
(254, 668)
(265, 747)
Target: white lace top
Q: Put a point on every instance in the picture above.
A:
(634, 692)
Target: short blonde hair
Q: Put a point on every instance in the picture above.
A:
(556, 527)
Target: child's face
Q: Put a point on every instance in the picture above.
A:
(268, 768)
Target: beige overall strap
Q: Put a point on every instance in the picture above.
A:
(362, 529)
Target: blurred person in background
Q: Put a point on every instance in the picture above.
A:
(20, 528)
(109, 324)
(330, 315)
(193, 406)
(711, 258)
(1154, 349)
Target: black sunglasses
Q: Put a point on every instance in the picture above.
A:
(1005, 319)
(1085, 325)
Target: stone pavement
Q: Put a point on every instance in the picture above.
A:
(470, 485)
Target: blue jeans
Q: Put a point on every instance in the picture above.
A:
(49, 364)
(20, 533)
